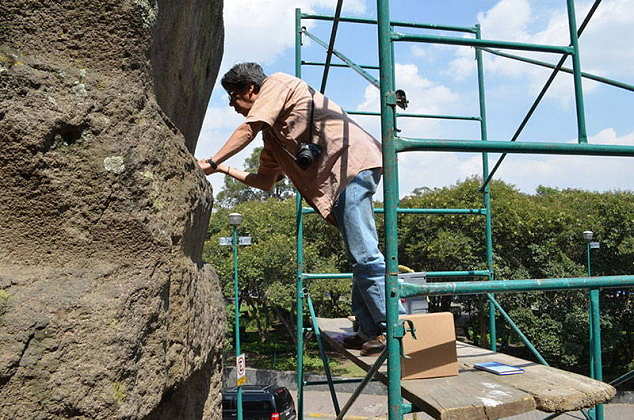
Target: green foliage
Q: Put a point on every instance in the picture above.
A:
(267, 268)
(534, 236)
(439, 243)
(119, 391)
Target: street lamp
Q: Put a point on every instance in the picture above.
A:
(596, 364)
(235, 219)
(587, 236)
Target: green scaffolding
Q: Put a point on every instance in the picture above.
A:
(392, 144)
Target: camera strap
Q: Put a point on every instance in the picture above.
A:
(311, 122)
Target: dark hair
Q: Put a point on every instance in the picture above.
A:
(243, 75)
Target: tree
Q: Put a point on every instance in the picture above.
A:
(535, 236)
(267, 268)
(235, 192)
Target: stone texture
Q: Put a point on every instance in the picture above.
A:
(106, 309)
(186, 61)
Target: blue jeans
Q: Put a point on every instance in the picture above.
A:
(355, 219)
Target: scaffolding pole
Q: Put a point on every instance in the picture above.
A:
(393, 144)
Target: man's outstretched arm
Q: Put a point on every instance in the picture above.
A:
(239, 139)
(263, 181)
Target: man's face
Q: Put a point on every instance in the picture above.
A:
(242, 101)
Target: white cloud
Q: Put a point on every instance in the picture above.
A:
(419, 51)
(435, 169)
(423, 51)
(260, 30)
(605, 44)
(220, 118)
(527, 172)
(426, 97)
(463, 65)
(507, 20)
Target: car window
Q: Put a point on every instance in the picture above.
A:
(282, 399)
(258, 405)
(279, 400)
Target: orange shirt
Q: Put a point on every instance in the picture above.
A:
(284, 104)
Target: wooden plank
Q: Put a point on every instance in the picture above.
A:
(545, 388)
(554, 390)
(470, 395)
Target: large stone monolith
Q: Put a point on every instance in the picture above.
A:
(106, 308)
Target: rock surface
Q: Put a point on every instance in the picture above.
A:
(185, 62)
(106, 309)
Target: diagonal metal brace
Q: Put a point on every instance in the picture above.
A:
(373, 370)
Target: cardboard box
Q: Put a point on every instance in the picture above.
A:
(433, 353)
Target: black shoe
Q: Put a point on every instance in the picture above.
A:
(373, 346)
(353, 341)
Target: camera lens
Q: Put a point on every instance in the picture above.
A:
(306, 155)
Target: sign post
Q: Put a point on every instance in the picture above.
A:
(241, 378)
(228, 240)
(241, 370)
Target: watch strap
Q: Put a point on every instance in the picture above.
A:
(213, 164)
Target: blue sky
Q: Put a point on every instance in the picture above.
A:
(442, 80)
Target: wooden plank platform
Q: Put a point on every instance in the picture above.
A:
(475, 394)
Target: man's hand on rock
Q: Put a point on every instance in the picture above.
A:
(206, 166)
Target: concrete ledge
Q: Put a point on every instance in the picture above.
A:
(287, 379)
(623, 397)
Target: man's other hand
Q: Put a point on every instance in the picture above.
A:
(205, 166)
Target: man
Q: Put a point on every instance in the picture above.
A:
(330, 159)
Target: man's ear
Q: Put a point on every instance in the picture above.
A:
(253, 93)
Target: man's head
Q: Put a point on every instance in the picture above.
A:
(243, 83)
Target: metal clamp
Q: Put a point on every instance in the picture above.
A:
(401, 99)
(400, 331)
(398, 98)
(410, 328)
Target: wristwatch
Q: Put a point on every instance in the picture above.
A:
(213, 164)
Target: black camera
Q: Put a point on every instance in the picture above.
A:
(306, 154)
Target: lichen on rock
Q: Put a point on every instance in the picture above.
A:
(107, 310)
(149, 11)
(114, 164)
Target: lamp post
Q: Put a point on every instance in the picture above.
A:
(596, 368)
(587, 237)
(235, 219)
